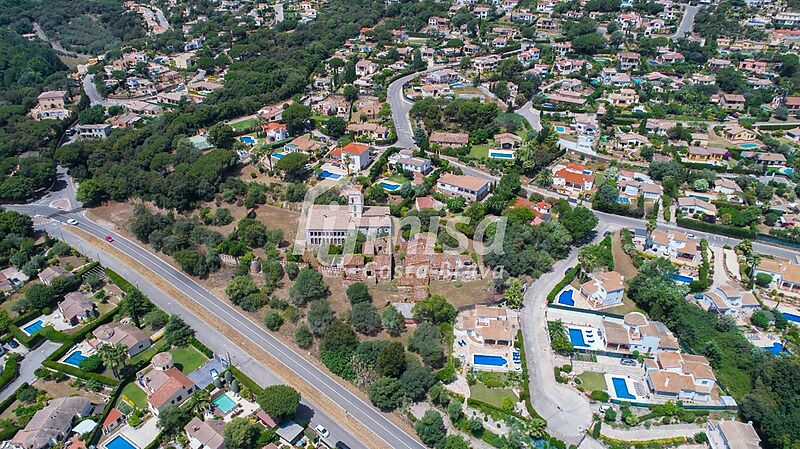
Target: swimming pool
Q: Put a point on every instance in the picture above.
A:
(248, 140)
(390, 186)
(490, 360)
(791, 317)
(494, 155)
(560, 129)
(775, 349)
(576, 337)
(328, 175)
(566, 298)
(120, 442)
(33, 327)
(787, 171)
(621, 388)
(225, 404)
(748, 146)
(623, 200)
(681, 278)
(278, 155)
(75, 358)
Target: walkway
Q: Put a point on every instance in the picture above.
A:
(642, 433)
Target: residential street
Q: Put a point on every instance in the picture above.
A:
(32, 361)
(567, 411)
(687, 22)
(400, 108)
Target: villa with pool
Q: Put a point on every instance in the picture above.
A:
(484, 338)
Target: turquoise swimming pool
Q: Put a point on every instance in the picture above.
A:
(576, 337)
(560, 129)
(33, 327)
(495, 155)
(748, 146)
(120, 442)
(488, 360)
(328, 175)
(248, 140)
(390, 186)
(225, 404)
(621, 388)
(75, 358)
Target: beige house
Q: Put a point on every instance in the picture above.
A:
(468, 187)
(135, 339)
(166, 387)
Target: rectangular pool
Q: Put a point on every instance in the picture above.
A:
(681, 278)
(489, 360)
(33, 327)
(576, 337)
(225, 404)
(621, 388)
(120, 442)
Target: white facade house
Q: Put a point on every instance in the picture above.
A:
(604, 290)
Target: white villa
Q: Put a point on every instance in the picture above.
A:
(488, 326)
(677, 376)
(604, 289)
(674, 245)
(729, 300)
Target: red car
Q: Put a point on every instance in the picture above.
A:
(109, 238)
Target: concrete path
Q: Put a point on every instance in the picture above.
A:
(642, 433)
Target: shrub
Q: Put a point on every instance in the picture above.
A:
(273, 320)
(599, 395)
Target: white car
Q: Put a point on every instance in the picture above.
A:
(72, 221)
(322, 431)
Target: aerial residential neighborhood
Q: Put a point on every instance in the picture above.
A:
(561, 224)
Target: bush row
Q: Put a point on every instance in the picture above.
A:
(571, 273)
(10, 370)
(201, 347)
(697, 225)
(118, 280)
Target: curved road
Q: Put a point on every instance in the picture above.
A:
(687, 22)
(400, 107)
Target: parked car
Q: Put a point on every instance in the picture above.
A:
(322, 431)
(13, 343)
(341, 445)
(628, 362)
(72, 221)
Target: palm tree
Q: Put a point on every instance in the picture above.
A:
(201, 400)
(113, 356)
(651, 226)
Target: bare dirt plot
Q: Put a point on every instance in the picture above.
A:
(464, 293)
(62, 389)
(622, 262)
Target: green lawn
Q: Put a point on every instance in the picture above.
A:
(244, 124)
(493, 396)
(187, 359)
(591, 381)
(135, 395)
(398, 178)
(479, 151)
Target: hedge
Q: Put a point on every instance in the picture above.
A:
(201, 347)
(74, 371)
(10, 370)
(112, 401)
(660, 441)
(246, 381)
(86, 268)
(525, 394)
(118, 280)
(571, 273)
(697, 225)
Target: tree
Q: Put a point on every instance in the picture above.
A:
(241, 433)
(760, 319)
(39, 296)
(279, 401)
(221, 135)
(136, 305)
(579, 221)
(336, 126)
(763, 280)
(292, 165)
(393, 321)
(700, 185)
(365, 318)
(358, 292)
(589, 44)
(177, 332)
(386, 393)
(240, 287)
(430, 429)
(171, 420)
(435, 309)
(12, 222)
(200, 400)
(296, 116)
(113, 356)
(391, 360)
(427, 342)
(350, 93)
(416, 381)
(92, 364)
(513, 294)
(303, 337)
(308, 286)
(457, 442)
(273, 320)
(319, 316)
(454, 410)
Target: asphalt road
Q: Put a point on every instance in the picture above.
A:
(400, 108)
(566, 410)
(278, 12)
(687, 22)
(94, 96)
(359, 410)
(32, 361)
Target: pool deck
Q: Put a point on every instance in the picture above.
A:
(86, 350)
(55, 319)
(466, 354)
(141, 436)
(244, 407)
(631, 384)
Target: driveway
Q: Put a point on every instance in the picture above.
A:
(27, 366)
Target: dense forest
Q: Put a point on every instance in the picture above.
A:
(87, 26)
